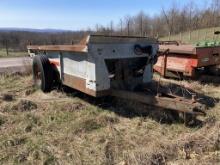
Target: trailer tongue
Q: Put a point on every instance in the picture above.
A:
(168, 102)
(106, 65)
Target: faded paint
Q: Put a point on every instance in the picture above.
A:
(87, 68)
(186, 58)
(83, 66)
(67, 48)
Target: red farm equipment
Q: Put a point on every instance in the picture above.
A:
(177, 60)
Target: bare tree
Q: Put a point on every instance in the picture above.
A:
(121, 26)
(5, 42)
(140, 19)
(128, 24)
(215, 6)
(111, 27)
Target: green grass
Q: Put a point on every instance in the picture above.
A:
(58, 128)
(196, 36)
(12, 53)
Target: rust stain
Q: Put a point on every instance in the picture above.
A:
(80, 84)
(68, 48)
(182, 49)
(55, 62)
(172, 102)
(186, 58)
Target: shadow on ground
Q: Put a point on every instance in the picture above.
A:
(131, 109)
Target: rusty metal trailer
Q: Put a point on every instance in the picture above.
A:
(106, 65)
(175, 60)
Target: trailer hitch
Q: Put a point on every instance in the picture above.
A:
(167, 102)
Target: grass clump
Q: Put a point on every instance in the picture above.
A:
(24, 105)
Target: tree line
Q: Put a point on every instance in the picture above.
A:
(18, 40)
(168, 22)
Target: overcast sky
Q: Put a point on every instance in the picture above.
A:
(77, 14)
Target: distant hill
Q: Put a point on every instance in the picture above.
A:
(196, 36)
(34, 30)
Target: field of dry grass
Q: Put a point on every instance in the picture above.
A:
(200, 35)
(12, 53)
(71, 128)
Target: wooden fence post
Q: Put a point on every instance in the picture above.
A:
(206, 35)
(181, 36)
(190, 35)
(169, 36)
(6, 47)
(213, 34)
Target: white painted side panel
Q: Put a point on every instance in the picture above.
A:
(75, 64)
(97, 75)
(91, 76)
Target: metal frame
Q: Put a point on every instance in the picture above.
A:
(83, 67)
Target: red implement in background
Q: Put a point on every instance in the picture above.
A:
(177, 59)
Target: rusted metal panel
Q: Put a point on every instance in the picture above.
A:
(164, 65)
(175, 63)
(208, 56)
(67, 48)
(92, 39)
(186, 59)
(179, 49)
(55, 62)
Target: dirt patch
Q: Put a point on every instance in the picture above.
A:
(95, 123)
(14, 142)
(89, 125)
(21, 157)
(72, 107)
(7, 97)
(157, 159)
(24, 105)
(107, 119)
(30, 91)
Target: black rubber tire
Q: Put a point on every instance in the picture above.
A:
(42, 73)
(56, 77)
(213, 70)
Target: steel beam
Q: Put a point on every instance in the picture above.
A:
(166, 102)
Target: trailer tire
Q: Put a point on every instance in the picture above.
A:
(42, 73)
(214, 70)
(56, 77)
